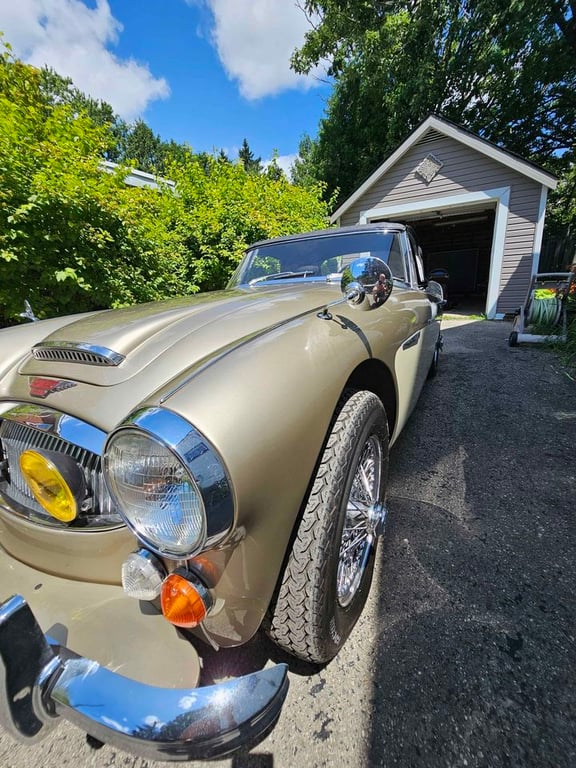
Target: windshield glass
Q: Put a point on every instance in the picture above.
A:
(314, 257)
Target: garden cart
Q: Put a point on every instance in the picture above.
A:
(543, 317)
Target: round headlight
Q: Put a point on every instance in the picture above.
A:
(156, 495)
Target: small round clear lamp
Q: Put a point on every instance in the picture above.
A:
(142, 575)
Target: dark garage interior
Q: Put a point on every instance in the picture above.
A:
(461, 244)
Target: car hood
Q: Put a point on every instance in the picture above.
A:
(178, 333)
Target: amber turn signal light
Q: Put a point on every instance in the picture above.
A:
(185, 600)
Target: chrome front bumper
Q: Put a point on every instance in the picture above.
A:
(41, 681)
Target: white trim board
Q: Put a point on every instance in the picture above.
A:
(499, 196)
(539, 232)
(452, 131)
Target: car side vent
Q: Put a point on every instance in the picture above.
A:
(85, 354)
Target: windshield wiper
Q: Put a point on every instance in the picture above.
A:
(280, 276)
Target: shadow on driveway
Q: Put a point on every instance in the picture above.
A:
(476, 653)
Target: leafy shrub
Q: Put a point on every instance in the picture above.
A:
(75, 238)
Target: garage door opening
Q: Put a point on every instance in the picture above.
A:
(461, 244)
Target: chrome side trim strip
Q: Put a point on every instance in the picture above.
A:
(39, 682)
(76, 352)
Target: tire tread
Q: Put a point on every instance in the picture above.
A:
(293, 620)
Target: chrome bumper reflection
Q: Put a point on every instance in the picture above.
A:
(40, 681)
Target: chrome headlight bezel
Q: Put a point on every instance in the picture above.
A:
(203, 466)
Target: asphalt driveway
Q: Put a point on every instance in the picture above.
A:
(466, 654)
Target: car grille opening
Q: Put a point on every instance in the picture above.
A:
(97, 510)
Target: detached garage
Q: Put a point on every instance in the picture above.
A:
(477, 209)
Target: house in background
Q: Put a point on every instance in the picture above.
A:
(478, 211)
(136, 178)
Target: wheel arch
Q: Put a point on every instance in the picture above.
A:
(370, 375)
(374, 376)
(320, 637)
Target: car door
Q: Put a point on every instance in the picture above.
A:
(431, 329)
(415, 325)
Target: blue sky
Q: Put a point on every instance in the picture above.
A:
(205, 72)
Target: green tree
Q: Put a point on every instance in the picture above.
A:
(136, 143)
(224, 208)
(251, 164)
(304, 169)
(173, 152)
(72, 237)
(559, 246)
(61, 90)
(505, 69)
(145, 149)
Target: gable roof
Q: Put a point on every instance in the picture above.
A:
(446, 128)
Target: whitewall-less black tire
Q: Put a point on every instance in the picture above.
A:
(328, 572)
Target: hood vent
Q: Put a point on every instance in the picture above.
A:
(72, 352)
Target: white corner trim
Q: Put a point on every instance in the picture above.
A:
(539, 231)
(497, 253)
(500, 196)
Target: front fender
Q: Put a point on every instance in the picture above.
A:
(267, 407)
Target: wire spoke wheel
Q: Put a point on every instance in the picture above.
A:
(328, 572)
(358, 530)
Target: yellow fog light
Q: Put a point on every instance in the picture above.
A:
(50, 489)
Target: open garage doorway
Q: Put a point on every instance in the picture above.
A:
(461, 244)
(478, 210)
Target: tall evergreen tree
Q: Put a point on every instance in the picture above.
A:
(145, 148)
(251, 164)
(304, 168)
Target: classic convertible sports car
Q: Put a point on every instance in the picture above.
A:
(183, 473)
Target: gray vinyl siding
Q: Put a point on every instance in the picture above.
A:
(519, 244)
(465, 170)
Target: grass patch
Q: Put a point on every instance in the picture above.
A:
(448, 316)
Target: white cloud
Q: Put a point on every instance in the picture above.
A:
(114, 724)
(187, 702)
(153, 721)
(255, 39)
(75, 41)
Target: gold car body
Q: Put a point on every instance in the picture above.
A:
(258, 370)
